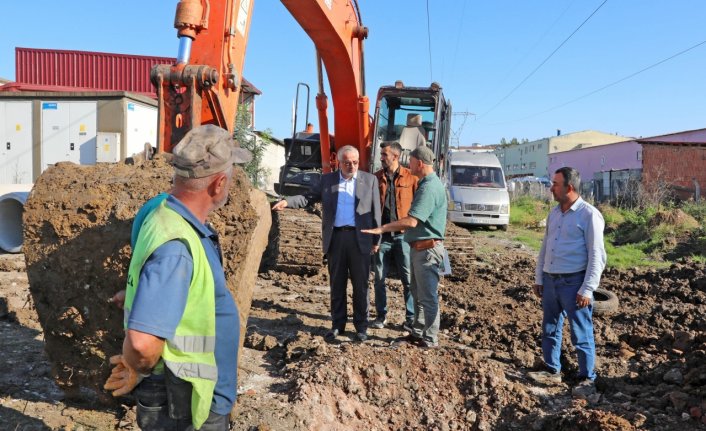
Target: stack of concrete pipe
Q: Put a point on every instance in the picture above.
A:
(12, 200)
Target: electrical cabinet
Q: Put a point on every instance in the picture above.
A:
(15, 142)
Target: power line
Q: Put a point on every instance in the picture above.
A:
(544, 61)
(431, 71)
(528, 52)
(458, 42)
(456, 135)
(625, 78)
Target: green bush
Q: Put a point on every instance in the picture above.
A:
(698, 211)
(613, 217)
(528, 212)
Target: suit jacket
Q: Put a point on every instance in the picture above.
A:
(367, 207)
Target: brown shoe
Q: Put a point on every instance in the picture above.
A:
(407, 339)
(545, 377)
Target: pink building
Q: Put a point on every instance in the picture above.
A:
(677, 158)
(588, 161)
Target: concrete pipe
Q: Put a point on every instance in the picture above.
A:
(11, 208)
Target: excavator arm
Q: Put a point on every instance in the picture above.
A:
(203, 86)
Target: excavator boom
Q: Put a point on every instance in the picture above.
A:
(203, 88)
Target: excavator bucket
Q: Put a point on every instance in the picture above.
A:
(77, 224)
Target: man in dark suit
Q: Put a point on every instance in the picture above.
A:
(351, 202)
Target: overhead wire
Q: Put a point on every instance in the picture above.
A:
(529, 51)
(431, 70)
(544, 61)
(458, 43)
(590, 93)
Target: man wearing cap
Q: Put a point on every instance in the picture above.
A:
(425, 226)
(397, 188)
(350, 201)
(181, 323)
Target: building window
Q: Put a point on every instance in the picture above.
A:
(524, 165)
(639, 155)
(539, 146)
(533, 165)
(507, 167)
(602, 160)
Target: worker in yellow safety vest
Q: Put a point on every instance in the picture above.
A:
(179, 356)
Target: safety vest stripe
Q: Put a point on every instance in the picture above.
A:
(193, 370)
(126, 316)
(193, 343)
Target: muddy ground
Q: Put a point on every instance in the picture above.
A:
(651, 354)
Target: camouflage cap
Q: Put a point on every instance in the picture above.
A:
(206, 150)
(423, 153)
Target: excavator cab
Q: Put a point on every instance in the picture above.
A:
(412, 116)
(302, 169)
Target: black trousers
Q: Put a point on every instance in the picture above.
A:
(164, 404)
(346, 261)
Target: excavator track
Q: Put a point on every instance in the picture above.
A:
(458, 241)
(296, 242)
(297, 239)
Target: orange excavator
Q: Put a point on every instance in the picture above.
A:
(203, 86)
(76, 241)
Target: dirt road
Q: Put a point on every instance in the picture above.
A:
(651, 355)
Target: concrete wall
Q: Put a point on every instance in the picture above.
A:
(588, 161)
(273, 159)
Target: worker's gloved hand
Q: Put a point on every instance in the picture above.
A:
(123, 379)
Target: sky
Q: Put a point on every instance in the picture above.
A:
(511, 68)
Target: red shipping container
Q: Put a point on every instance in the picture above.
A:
(83, 69)
(94, 70)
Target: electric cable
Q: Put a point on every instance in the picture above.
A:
(458, 42)
(431, 70)
(543, 62)
(528, 52)
(590, 93)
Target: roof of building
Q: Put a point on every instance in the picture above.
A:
(695, 137)
(91, 70)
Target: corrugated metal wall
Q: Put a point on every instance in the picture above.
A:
(95, 70)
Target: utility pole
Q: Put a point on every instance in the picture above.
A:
(456, 134)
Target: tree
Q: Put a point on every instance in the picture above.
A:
(257, 145)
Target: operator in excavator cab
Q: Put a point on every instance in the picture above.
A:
(180, 351)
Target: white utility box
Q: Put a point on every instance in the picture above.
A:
(108, 147)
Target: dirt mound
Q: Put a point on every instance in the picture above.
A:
(578, 419)
(77, 224)
(373, 388)
(677, 218)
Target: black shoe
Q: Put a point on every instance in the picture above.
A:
(425, 344)
(378, 323)
(407, 326)
(331, 335)
(361, 336)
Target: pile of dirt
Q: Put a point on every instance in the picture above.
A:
(651, 353)
(364, 387)
(675, 218)
(651, 356)
(77, 225)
